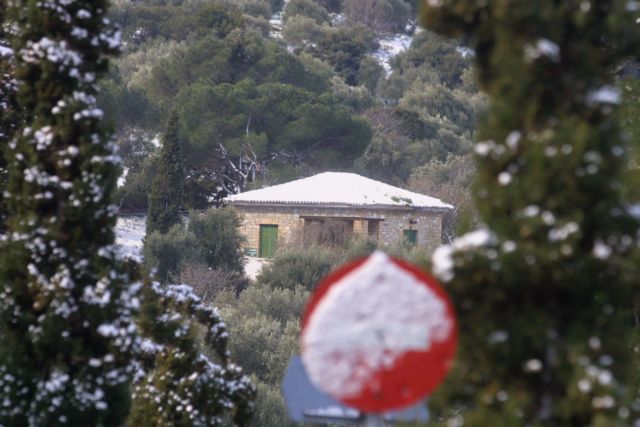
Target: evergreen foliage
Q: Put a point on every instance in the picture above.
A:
(165, 254)
(345, 49)
(545, 292)
(308, 8)
(211, 238)
(630, 119)
(449, 180)
(8, 106)
(264, 325)
(294, 268)
(381, 15)
(166, 196)
(182, 383)
(219, 239)
(143, 21)
(66, 327)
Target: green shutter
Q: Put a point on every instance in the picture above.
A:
(268, 240)
(410, 236)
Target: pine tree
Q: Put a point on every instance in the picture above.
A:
(165, 198)
(181, 384)
(66, 305)
(545, 292)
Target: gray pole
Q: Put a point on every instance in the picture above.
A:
(371, 420)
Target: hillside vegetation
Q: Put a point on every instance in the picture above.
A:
(266, 92)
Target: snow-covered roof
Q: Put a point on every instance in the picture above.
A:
(338, 189)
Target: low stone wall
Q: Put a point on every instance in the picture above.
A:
(290, 221)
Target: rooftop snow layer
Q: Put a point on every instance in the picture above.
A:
(338, 188)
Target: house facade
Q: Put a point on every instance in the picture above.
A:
(334, 206)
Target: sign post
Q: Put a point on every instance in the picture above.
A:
(378, 335)
(306, 403)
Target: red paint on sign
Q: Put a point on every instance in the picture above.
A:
(413, 374)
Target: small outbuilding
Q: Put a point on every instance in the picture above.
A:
(332, 207)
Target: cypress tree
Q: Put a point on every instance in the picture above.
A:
(66, 329)
(185, 381)
(8, 106)
(165, 198)
(545, 291)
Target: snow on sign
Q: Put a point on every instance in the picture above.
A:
(378, 334)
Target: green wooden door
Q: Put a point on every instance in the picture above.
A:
(268, 240)
(410, 237)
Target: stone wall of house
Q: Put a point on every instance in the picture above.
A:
(289, 225)
(427, 224)
(392, 223)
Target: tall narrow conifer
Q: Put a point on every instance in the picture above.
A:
(165, 198)
(8, 107)
(545, 292)
(66, 329)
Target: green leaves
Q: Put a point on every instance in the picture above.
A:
(66, 332)
(166, 197)
(553, 281)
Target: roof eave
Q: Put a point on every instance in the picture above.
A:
(255, 203)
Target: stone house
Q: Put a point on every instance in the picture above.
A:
(333, 206)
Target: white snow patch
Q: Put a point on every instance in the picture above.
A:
(122, 179)
(484, 148)
(5, 51)
(366, 321)
(603, 402)
(498, 337)
(634, 210)
(466, 52)
(130, 230)
(543, 47)
(606, 94)
(338, 188)
(601, 250)
(336, 18)
(442, 258)
(391, 46)
(584, 385)
(277, 22)
(253, 266)
(513, 139)
(334, 411)
(533, 365)
(504, 178)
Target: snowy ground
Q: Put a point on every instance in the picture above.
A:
(390, 46)
(253, 266)
(130, 231)
(276, 22)
(276, 25)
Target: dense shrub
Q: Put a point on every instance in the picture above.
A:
(218, 239)
(270, 407)
(306, 8)
(291, 268)
(264, 326)
(380, 15)
(165, 253)
(207, 282)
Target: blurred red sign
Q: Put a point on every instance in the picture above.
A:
(378, 334)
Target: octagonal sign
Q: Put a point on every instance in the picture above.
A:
(378, 334)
